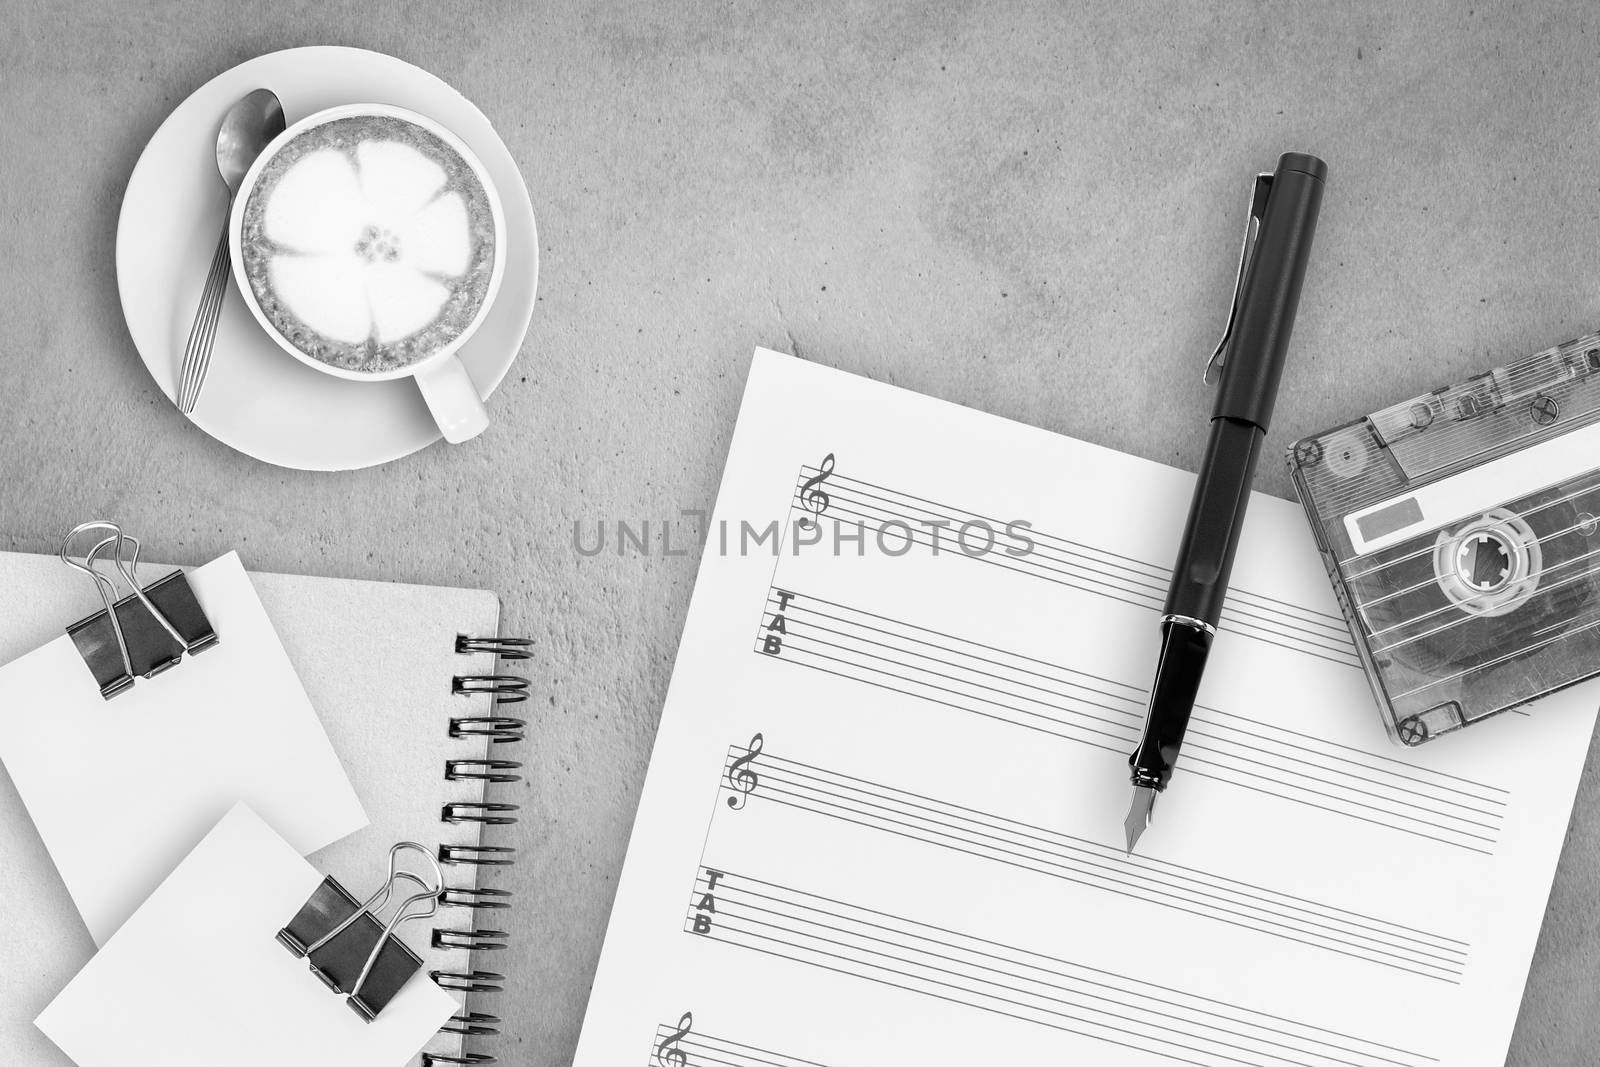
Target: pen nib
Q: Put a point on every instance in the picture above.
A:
(1144, 802)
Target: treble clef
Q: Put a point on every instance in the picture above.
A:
(741, 777)
(668, 1054)
(812, 496)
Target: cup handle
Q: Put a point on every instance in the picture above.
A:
(453, 400)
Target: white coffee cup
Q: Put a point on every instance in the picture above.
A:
(451, 397)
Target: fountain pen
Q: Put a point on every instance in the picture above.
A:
(1272, 266)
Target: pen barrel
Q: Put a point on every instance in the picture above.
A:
(1216, 519)
(1183, 659)
(1270, 294)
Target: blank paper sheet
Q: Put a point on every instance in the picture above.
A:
(120, 790)
(196, 977)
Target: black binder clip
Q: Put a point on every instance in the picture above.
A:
(144, 633)
(349, 949)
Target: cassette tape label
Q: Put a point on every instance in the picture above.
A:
(1475, 491)
(1463, 539)
(1385, 519)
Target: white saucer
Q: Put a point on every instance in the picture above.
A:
(257, 398)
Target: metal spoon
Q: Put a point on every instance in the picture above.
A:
(253, 121)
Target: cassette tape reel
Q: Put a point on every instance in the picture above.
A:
(1460, 531)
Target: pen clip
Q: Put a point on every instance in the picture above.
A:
(1252, 227)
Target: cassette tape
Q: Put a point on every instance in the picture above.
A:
(1461, 530)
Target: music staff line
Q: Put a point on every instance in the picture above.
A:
(721, 1051)
(1160, 577)
(1462, 824)
(1141, 575)
(1149, 588)
(1131, 717)
(1135, 696)
(986, 836)
(1218, 771)
(1008, 980)
(1332, 621)
(1078, 577)
(1104, 573)
(1195, 771)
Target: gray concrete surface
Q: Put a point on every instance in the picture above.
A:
(1028, 208)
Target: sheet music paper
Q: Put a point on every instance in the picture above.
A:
(196, 977)
(883, 821)
(120, 790)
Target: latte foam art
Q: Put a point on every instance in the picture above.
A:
(368, 242)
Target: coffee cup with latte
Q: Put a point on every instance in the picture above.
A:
(367, 241)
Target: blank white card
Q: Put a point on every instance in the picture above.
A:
(197, 977)
(120, 790)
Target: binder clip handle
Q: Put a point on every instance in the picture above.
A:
(349, 949)
(377, 901)
(430, 894)
(142, 634)
(102, 584)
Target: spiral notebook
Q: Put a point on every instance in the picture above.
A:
(405, 681)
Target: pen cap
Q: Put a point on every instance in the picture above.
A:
(1270, 293)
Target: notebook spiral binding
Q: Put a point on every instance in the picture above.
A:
(497, 728)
